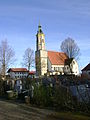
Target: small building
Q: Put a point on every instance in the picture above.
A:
(71, 67)
(18, 73)
(86, 71)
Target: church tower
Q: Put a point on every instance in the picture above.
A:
(41, 53)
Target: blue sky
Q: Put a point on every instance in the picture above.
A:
(60, 19)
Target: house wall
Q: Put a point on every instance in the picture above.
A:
(67, 69)
(72, 68)
(18, 74)
(54, 69)
(86, 73)
(49, 65)
(12, 74)
(58, 68)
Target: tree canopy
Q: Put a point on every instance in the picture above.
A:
(70, 47)
(6, 56)
(28, 58)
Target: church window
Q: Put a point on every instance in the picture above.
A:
(67, 67)
(54, 68)
(58, 68)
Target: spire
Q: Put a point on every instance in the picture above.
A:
(39, 28)
(39, 23)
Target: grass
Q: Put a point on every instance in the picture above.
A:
(68, 116)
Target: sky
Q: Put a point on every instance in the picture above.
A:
(59, 19)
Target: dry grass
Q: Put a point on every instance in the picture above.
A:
(16, 111)
(68, 116)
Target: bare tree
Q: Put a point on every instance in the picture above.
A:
(28, 58)
(6, 56)
(70, 47)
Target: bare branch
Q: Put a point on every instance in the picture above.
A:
(28, 58)
(6, 56)
(70, 48)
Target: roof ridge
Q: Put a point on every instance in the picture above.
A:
(87, 67)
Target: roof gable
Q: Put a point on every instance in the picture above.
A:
(86, 68)
(57, 58)
(69, 61)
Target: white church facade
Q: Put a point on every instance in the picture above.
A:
(51, 62)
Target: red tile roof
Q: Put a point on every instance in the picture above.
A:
(57, 58)
(32, 72)
(18, 70)
(86, 68)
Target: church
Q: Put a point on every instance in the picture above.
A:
(51, 62)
